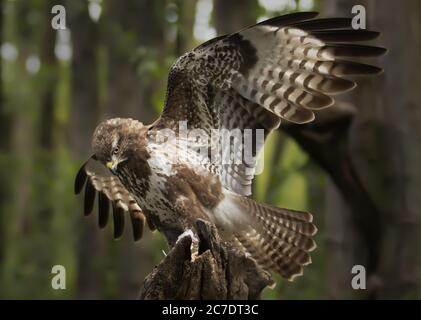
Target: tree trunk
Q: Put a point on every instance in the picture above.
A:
(84, 116)
(85, 111)
(231, 16)
(6, 129)
(133, 33)
(46, 124)
(384, 147)
(186, 10)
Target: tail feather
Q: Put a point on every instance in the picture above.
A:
(280, 240)
(286, 267)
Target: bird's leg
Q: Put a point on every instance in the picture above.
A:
(194, 248)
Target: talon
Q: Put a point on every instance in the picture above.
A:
(194, 247)
(188, 233)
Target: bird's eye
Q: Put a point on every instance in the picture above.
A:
(116, 150)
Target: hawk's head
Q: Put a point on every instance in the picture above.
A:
(118, 140)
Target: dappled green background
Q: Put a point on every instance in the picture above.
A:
(113, 61)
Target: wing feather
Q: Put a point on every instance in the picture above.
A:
(286, 67)
(98, 179)
(103, 210)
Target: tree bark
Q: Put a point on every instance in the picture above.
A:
(217, 271)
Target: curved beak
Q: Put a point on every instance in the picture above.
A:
(112, 165)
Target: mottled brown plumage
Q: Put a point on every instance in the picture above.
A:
(287, 68)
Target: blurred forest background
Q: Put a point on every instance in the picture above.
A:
(357, 170)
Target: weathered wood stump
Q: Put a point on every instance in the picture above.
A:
(218, 271)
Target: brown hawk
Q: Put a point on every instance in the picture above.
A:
(285, 68)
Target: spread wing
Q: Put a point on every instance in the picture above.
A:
(98, 179)
(286, 68)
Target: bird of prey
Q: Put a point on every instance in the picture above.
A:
(284, 68)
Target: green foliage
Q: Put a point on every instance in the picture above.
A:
(292, 191)
(282, 182)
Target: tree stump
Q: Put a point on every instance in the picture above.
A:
(217, 271)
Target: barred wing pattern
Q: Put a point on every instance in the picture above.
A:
(98, 179)
(283, 68)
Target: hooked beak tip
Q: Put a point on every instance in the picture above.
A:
(110, 164)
